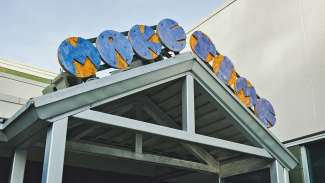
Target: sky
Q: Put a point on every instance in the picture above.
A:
(32, 30)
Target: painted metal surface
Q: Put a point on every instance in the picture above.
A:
(123, 84)
(18, 166)
(188, 108)
(277, 173)
(227, 72)
(143, 156)
(138, 143)
(145, 42)
(171, 35)
(222, 66)
(79, 57)
(245, 92)
(55, 152)
(265, 112)
(241, 115)
(304, 163)
(243, 166)
(162, 118)
(115, 49)
(202, 46)
(136, 125)
(216, 62)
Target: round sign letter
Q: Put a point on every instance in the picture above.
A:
(115, 49)
(171, 35)
(145, 42)
(78, 57)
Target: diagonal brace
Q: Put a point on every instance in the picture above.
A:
(158, 115)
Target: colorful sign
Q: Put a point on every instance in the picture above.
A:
(202, 46)
(245, 92)
(115, 49)
(265, 112)
(224, 69)
(145, 42)
(79, 57)
(171, 35)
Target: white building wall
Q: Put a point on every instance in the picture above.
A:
(16, 90)
(279, 45)
(20, 87)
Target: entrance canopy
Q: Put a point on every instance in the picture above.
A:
(174, 113)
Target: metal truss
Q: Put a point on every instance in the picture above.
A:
(271, 154)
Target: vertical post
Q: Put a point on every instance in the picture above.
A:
(138, 143)
(138, 137)
(277, 173)
(18, 166)
(54, 152)
(286, 176)
(188, 111)
(304, 164)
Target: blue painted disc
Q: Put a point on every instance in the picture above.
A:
(253, 96)
(225, 70)
(145, 42)
(115, 49)
(202, 46)
(171, 35)
(241, 84)
(249, 91)
(79, 57)
(265, 112)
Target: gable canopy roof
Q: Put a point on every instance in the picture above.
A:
(77, 100)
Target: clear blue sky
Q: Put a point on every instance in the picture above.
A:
(31, 30)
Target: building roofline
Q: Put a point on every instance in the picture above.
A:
(58, 104)
(24, 75)
(224, 5)
(26, 71)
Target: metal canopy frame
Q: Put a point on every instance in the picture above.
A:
(76, 103)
